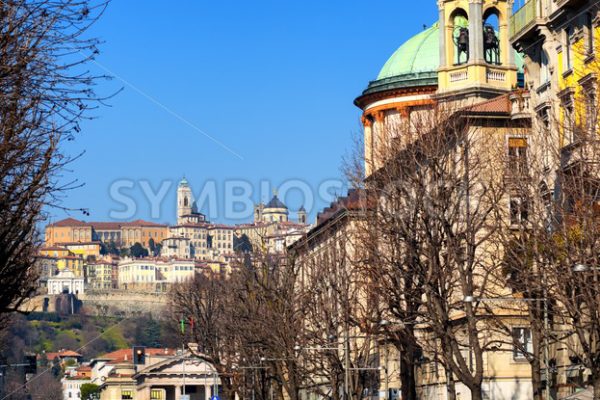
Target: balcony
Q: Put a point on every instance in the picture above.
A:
(523, 22)
(581, 155)
(520, 105)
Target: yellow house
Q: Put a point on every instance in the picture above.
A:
(55, 251)
(83, 249)
(72, 263)
(67, 230)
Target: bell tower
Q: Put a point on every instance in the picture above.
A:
(185, 200)
(476, 58)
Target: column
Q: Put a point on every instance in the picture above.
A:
(368, 141)
(507, 54)
(207, 392)
(442, 26)
(475, 31)
(177, 392)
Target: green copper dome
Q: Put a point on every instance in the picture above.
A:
(416, 63)
(421, 53)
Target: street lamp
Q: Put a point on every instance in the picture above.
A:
(584, 268)
(469, 299)
(237, 367)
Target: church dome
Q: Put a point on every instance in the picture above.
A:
(420, 53)
(415, 63)
(275, 203)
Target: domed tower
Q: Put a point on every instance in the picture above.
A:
(429, 67)
(275, 211)
(476, 58)
(185, 200)
(406, 84)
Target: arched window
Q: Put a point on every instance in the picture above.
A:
(491, 42)
(460, 36)
(185, 201)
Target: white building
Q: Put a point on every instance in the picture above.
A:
(65, 281)
(155, 273)
(74, 378)
(176, 247)
(72, 387)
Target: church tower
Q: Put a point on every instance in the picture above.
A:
(185, 200)
(476, 58)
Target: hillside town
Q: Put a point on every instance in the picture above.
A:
(80, 256)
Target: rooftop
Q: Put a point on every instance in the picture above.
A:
(415, 64)
(275, 203)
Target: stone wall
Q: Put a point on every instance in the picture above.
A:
(125, 303)
(105, 302)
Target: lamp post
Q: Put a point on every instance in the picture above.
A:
(347, 367)
(236, 367)
(472, 299)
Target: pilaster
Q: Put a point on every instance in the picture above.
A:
(475, 31)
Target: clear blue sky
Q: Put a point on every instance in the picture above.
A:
(273, 80)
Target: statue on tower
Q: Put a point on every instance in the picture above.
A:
(461, 39)
(491, 45)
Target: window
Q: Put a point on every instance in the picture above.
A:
(157, 394)
(589, 87)
(589, 27)
(519, 211)
(566, 97)
(517, 155)
(521, 343)
(126, 394)
(544, 68)
(568, 49)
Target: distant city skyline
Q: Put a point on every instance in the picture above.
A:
(202, 89)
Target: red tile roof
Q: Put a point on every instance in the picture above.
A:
(127, 354)
(497, 105)
(61, 354)
(106, 225)
(355, 200)
(69, 222)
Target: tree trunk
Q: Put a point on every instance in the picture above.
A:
(450, 385)
(596, 381)
(407, 374)
(476, 393)
(536, 380)
(228, 390)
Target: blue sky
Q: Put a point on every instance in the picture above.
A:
(272, 80)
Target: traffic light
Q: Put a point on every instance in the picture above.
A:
(31, 367)
(139, 355)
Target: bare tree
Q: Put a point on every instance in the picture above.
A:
(339, 347)
(45, 91)
(433, 240)
(203, 306)
(267, 306)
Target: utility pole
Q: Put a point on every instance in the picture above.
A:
(347, 395)
(546, 341)
(387, 377)
(183, 358)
